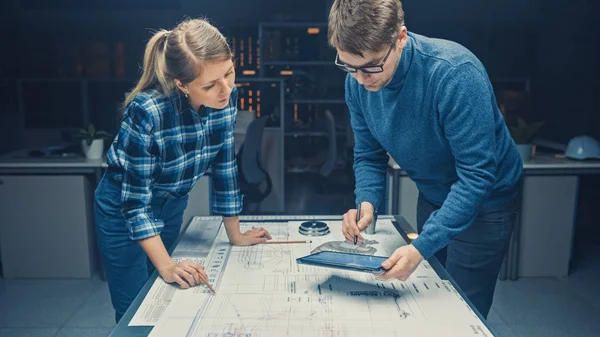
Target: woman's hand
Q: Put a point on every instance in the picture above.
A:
(185, 273)
(251, 237)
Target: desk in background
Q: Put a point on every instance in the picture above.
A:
(541, 244)
(46, 215)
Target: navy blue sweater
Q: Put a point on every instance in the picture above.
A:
(439, 120)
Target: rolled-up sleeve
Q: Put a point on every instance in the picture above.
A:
(138, 153)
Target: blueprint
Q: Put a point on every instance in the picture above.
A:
(193, 247)
(199, 236)
(158, 299)
(365, 248)
(261, 291)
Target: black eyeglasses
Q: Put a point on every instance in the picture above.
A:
(366, 69)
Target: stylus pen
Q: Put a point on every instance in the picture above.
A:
(357, 219)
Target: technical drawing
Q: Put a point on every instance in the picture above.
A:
(258, 256)
(262, 292)
(273, 315)
(365, 248)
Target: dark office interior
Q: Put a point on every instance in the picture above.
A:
(66, 65)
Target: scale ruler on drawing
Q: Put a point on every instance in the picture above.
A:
(216, 263)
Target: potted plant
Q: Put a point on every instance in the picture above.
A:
(523, 134)
(92, 141)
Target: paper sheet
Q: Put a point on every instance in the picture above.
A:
(198, 237)
(158, 299)
(193, 247)
(261, 291)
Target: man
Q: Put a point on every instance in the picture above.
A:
(430, 105)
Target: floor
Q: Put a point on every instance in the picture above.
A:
(553, 307)
(55, 308)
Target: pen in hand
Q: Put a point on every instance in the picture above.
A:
(357, 219)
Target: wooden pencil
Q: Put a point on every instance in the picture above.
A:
(207, 284)
(286, 242)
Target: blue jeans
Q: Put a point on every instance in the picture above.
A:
(474, 257)
(126, 265)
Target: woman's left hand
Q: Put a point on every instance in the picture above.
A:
(251, 237)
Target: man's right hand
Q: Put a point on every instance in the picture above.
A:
(350, 227)
(185, 273)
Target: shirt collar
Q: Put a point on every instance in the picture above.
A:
(182, 104)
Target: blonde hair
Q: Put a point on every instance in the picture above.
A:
(179, 54)
(359, 26)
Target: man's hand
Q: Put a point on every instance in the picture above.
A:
(402, 263)
(350, 227)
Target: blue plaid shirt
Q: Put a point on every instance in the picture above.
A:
(163, 147)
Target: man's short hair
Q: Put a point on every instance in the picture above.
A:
(359, 26)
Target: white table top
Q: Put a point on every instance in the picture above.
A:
(21, 160)
(540, 162)
(552, 162)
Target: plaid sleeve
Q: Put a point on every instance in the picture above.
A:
(137, 152)
(227, 200)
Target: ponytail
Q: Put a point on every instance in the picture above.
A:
(155, 67)
(179, 54)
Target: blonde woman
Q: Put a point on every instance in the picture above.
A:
(178, 121)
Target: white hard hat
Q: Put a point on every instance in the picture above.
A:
(583, 147)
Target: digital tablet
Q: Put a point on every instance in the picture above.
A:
(347, 261)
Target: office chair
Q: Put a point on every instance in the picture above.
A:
(254, 181)
(325, 160)
(334, 161)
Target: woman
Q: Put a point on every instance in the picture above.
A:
(177, 122)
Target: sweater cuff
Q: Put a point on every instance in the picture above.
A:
(370, 197)
(425, 245)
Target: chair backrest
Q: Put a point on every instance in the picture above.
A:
(251, 149)
(329, 163)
